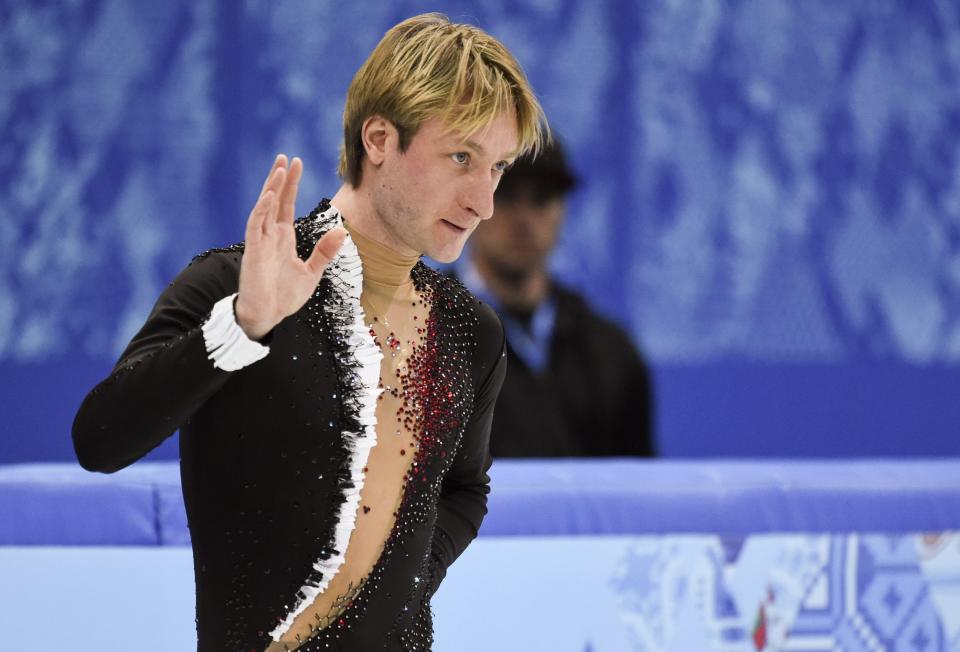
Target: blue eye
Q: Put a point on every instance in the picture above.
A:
(501, 166)
(460, 157)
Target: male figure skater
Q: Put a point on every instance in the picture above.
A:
(334, 395)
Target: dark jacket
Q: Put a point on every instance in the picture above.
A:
(593, 399)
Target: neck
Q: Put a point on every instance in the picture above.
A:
(514, 289)
(382, 264)
(356, 206)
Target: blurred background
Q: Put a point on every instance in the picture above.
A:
(769, 199)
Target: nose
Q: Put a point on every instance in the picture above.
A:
(477, 197)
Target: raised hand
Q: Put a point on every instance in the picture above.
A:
(274, 281)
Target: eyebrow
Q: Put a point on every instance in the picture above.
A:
(478, 148)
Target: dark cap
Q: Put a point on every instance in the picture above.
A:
(542, 178)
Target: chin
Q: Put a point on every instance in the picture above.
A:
(447, 254)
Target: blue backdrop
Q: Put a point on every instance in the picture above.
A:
(771, 197)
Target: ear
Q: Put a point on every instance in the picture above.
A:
(378, 135)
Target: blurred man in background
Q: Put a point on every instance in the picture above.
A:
(575, 384)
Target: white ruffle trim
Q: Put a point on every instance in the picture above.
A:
(363, 358)
(228, 346)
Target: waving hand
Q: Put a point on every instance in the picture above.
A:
(274, 281)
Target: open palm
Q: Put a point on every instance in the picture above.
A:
(274, 281)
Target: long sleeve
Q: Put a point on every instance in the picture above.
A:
(463, 498)
(162, 377)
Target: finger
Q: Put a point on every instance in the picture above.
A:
(275, 182)
(279, 162)
(274, 185)
(325, 249)
(259, 216)
(288, 196)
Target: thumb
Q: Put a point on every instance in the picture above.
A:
(325, 249)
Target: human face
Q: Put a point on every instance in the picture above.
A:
(431, 197)
(518, 241)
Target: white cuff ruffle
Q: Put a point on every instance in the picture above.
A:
(228, 346)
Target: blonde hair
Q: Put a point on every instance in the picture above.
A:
(428, 67)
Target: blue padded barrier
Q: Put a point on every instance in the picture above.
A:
(557, 497)
(61, 504)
